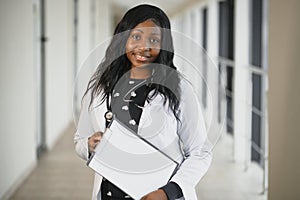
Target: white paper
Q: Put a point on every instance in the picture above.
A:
(131, 163)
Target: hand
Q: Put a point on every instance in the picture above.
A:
(94, 140)
(156, 195)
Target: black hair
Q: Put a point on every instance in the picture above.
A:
(115, 63)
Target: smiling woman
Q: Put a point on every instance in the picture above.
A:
(138, 80)
(143, 44)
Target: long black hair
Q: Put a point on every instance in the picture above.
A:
(115, 63)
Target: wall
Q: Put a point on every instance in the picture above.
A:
(95, 20)
(284, 98)
(242, 97)
(92, 30)
(104, 21)
(19, 84)
(59, 68)
(17, 90)
(188, 46)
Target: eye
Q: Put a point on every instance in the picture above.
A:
(135, 36)
(154, 40)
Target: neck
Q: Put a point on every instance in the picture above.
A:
(139, 73)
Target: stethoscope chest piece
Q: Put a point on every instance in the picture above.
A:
(108, 115)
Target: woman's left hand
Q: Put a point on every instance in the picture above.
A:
(156, 195)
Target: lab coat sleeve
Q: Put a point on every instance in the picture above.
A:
(84, 129)
(195, 145)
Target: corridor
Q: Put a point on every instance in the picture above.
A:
(240, 55)
(60, 174)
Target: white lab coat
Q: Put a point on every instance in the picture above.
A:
(191, 148)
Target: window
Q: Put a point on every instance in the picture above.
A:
(226, 50)
(256, 61)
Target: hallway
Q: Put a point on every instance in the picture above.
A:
(226, 179)
(241, 55)
(60, 174)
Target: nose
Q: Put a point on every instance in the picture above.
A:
(145, 45)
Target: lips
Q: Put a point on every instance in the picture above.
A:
(141, 58)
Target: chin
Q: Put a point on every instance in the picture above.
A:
(144, 65)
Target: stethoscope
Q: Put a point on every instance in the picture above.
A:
(109, 114)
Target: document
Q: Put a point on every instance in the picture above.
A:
(131, 162)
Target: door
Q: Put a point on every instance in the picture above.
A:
(40, 42)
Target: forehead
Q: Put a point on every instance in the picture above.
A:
(147, 26)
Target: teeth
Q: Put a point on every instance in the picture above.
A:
(142, 58)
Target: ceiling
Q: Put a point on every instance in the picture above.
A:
(169, 6)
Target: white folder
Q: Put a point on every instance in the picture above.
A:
(131, 162)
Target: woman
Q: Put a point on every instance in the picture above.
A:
(137, 75)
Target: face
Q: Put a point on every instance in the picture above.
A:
(144, 43)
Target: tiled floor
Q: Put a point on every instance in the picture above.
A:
(227, 180)
(60, 174)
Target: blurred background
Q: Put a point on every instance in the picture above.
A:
(253, 101)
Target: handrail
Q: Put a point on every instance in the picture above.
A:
(230, 63)
(227, 61)
(254, 69)
(224, 63)
(257, 70)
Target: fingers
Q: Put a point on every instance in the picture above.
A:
(156, 195)
(147, 197)
(144, 197)
(94, 140)
(97, 136)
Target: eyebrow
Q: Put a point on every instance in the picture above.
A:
(153, 33)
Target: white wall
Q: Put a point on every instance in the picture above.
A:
(59, 68)
(18, 85)
(188, 46)
(242, 86)
(94, 29)
(213, 71)
(104, 21)
(84, 30)
(17, 93)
